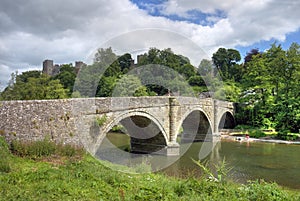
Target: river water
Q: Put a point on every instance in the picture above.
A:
(249, 160)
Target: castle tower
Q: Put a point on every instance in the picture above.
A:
(56, 70)
(78, 66)
(48, 67)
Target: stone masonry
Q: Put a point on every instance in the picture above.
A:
(85, 122)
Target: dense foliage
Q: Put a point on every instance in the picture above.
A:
(271, 90)
(265, 86)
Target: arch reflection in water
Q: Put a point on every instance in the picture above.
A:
(141, 142)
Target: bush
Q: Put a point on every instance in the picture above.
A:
(256, 133)
(117, 128)
(101, 120)
(244, 127)
(261, 190)
(43, 148)
(68, 150)
(4, 156)
(33, 149)
(286, 135)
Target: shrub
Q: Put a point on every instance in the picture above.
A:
(33, 149)
(101, 120)
(243, 127)
(43, 148)
(68, 150)
(256, 133)
(117, 128)
(4, 156)
(286, 135)
(221, 170)
(261, 190)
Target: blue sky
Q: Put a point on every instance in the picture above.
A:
(263, 45)
(157, 8)
(32, 31)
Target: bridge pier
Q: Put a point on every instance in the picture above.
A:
(173, 148)
(216, 137)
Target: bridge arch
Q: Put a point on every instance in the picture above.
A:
(193, 131)
(226, 120)
(147, 135)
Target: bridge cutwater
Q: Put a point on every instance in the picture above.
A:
(153, 123)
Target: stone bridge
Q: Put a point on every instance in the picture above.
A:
(154, 124)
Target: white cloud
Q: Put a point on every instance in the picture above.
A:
(31, 31)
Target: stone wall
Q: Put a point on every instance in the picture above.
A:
(59, 120)
(72, 121)
(38, 119)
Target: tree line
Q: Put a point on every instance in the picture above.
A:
(265, 85)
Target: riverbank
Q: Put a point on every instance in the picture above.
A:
(243, 138)
(85, 178)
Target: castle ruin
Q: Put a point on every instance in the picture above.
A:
(52, 69)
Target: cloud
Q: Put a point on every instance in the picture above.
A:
(31, 31)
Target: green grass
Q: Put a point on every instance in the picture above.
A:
(85, 178)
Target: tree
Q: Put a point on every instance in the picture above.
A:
(87, 80)
(225, 61)
(205, 67)
(125, 62)
(92, 78)
(42, 87)
(250, 54)
(271, 88)
(67, 77)
(288, 101)
(187, 71)
(129, 85)
(196, 80)
(28, 74)
(108, 61)
(106, 86)
(230, 91)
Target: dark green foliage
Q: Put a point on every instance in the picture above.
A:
(196, 80)
(286, 135)
(66, 77)
(106, 86)
(24, 77)
(226, 62)
(256, 133)
(125, 62)
(187, 71)
(271, 89)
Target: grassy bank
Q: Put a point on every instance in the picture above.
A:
(78, 176)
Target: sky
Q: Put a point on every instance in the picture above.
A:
(71, 30)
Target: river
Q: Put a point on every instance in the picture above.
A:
(249, 160)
